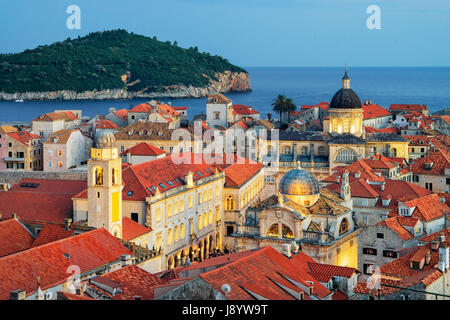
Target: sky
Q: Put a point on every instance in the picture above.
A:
(251, 32)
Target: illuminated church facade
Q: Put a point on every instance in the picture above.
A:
(317, 220)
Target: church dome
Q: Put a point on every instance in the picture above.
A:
(345, 98)
(299, 182)
(104, 139)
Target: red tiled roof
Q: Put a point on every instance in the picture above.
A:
(144, 149)
(394, 225)
(132, 230)
(433, 236)
(407, 107)
(332, 270)
(428, 207)
(133, 281)
(244, 110)
(70, 296)
(23, 137)
(14, 237)
(52, 232)
(440, 160)
(64, 115)
(122, 113)
(50, 201)
(372, 111)
(257, 273)
(241, 124)
(338, 295)
(180, 108)
(50, 262)
(239, 172)
(106, 124)
(142, 108)
(322, 105)
(383, 130)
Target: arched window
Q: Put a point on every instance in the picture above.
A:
(287, 232)
(304, 151)
(98, 176)
(321, 151)
(394, 152)
(169, 237)
(273, 231)
(230, 203)
(205, 219)
(217, 214)
(115, 176)
(182, 231)
(200, 222)
(346, 156)
(177, 234)
(210, 217)
(286, 150)
(343, 228)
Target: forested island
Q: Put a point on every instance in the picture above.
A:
(116, 64)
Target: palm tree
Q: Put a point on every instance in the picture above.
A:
(290, 107)
(280, 106)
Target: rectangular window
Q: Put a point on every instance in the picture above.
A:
(169, 210)
(368, 268)
(191, 202)
(181, 205)
(135, 217)
(389, 254)
(380, 235)
(370, 251)
(230, 230)
(216, 115)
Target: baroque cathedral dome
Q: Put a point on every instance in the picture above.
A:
(299, 182)
(345, 98)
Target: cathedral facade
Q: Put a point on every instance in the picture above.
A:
(317, 220)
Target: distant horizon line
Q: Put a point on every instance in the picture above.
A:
(343, 67)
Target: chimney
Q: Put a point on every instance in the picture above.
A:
(286, 249)
(129, 157)
(17, 295)
(67, 223)
(383, 186)
(294, 247)
(127, 260)
(338, 179)
(14, 216)
(189, 179)
(444, 262)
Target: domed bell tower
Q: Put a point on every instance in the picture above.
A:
(105, 186)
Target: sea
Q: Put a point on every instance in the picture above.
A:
(305, 85)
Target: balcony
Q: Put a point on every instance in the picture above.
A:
(14, 159)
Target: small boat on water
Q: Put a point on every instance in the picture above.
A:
(19, 100)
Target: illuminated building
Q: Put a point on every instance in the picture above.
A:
(318, 220)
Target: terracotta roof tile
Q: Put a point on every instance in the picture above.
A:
(14, 237)
(133, 282)
(50, 262)
(144, 149)
(132, 230)
(372, 111)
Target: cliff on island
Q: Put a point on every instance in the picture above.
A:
(116, 65)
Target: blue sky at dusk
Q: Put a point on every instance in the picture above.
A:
(252, 32)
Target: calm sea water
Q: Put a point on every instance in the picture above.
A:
(384, 86)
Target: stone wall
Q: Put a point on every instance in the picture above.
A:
(13, 177)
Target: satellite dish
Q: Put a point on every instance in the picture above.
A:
(226, 288)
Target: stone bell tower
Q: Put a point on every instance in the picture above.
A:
(105, 186)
